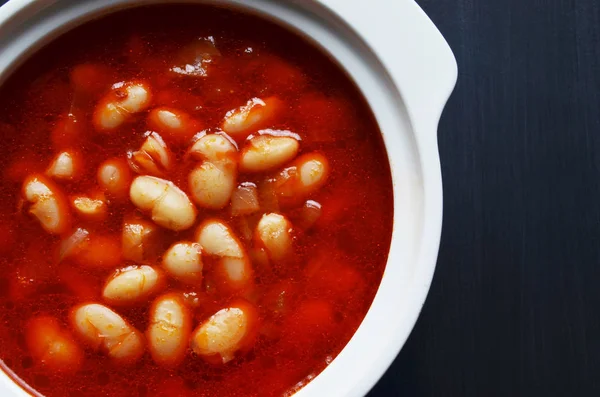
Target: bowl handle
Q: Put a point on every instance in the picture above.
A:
(413, 51)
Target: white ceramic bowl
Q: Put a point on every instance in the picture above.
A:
(406, 71)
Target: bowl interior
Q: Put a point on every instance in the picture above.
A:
(27, 25)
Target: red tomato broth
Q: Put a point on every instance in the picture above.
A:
(309, 306)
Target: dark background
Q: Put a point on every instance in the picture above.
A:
(514, 308)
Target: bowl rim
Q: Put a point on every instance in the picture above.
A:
(424, 76)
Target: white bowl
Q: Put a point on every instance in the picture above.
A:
(406, 71)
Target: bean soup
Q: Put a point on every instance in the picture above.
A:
(195, 202)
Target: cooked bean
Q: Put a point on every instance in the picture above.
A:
(118, 105)
(313, 171)
(305, 175)
(91, 208)
(175, 126)
(218, 240)
(163, 118)
(274, 233)
(141, 240)
(132, 284)
(47, 204)
(51, 345)
(137, 99)
(266, 152)
(168, 205)
(169, 330)
(183, 261)
(153, 158)
(66, 166)
(211, 186)
(105, 330)
(226, 332)
(212, 182)
(255, 114)
(115, 177)
(216, 148)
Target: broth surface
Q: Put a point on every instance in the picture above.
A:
(309, 304)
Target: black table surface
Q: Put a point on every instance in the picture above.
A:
(514, 308)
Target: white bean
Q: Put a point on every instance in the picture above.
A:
(132, 284)
(176, 126)
(216, 148)
(52, 345)
(66, 166)
(153, 158)
(169, 330)
(211, 186)
(304, 176)
(266, 152)
(166, 118)
(274, 232)
(212, 182)
(118, 105)
(255, 114)
(313, 172)
(91, 208)
(115, 177)
(168, 205)
(183, 261)
(104, 330)
(47, 204)
(218, 240)
(225, 333)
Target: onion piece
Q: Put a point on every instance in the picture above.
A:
(243, 226)
(309, 214)
(267, 196)
(92, 207)
(153, 158)
(141, 240)
(70, 245)
(244, 200)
